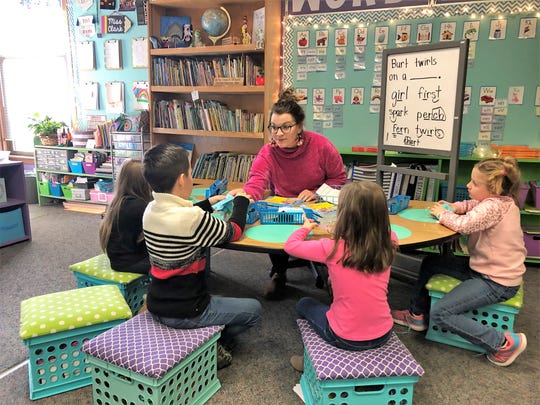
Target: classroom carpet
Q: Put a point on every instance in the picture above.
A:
(260, 373)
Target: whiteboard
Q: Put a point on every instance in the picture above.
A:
(422, 97)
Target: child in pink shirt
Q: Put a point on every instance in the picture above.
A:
(358, 257)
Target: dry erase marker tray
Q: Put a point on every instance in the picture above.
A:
(397, 203)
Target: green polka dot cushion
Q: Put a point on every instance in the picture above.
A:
(67, 310)
(443, 283)
(100, 267)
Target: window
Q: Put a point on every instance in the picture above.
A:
(35, 68)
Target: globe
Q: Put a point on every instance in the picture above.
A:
(216, 22)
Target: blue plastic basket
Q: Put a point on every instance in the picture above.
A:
(398, 203)
(462, 193)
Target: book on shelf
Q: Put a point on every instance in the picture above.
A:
(257, 34)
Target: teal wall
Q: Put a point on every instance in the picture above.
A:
(128, 74)
(500, 63)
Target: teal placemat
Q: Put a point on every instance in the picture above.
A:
(271, 233)
(199, 191)
(400, 231)
(417, 214)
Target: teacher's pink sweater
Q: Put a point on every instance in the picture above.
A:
(287, 172)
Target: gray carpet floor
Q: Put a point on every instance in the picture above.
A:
(260, 373)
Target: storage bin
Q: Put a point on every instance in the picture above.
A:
(461, 192)
(145, 362)
(56, 190)
(54, 328)
(11, 225)
(80, 194)
(531, 235)
(97, 271)
(89, 167)
(499, 316)
(99, 196)
(44, 188)
(66, 190)
(398, 203)
(333, 376)
(105, 186)
(523, 193)
(76, 166)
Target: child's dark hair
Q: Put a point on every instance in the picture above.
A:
(288, 104)
(129, 183)
(502, 175)
(163, 164)
(364, 225)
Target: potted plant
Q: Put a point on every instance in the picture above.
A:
(45, 128)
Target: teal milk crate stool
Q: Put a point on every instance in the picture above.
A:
(55, 326)
(332, 376)
(97, 271)
(145, 362)
(500, 316)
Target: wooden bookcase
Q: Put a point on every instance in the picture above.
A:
(14, 213)
(247, 97)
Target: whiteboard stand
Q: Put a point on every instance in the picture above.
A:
(422, 106)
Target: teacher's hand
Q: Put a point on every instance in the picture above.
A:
(307, 195)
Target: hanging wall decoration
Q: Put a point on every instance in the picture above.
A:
(115, 24)
(107, 4)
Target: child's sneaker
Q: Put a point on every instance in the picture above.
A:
(224, 358)
(405, 318)
(514, 346)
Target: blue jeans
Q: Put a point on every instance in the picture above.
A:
(475, 291)
(237, 314)
(315, 313)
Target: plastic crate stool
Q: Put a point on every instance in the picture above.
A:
(55, 326)
(500, 316)
(97, 271)
(145, 362)
(385, 375)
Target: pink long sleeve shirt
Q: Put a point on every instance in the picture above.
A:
(496, 245)
(287, 172)
(360, 309)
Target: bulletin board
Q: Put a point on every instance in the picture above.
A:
(335, 62)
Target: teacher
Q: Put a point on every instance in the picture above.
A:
(294, 164)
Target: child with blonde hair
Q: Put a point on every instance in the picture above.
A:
(492, 273)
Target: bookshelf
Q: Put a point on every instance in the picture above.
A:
(229, 113)
(52, 164)
(14, 213)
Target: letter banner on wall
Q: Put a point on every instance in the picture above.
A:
(333, 6)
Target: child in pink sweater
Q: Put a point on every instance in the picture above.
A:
(493, 272)
(358, 259)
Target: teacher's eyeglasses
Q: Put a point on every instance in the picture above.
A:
(285, 128)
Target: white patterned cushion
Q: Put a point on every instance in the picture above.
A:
(67, 310)
(331, 363)
(147, 347)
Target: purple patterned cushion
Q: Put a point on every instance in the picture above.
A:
(146, 346)
(330, 363)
